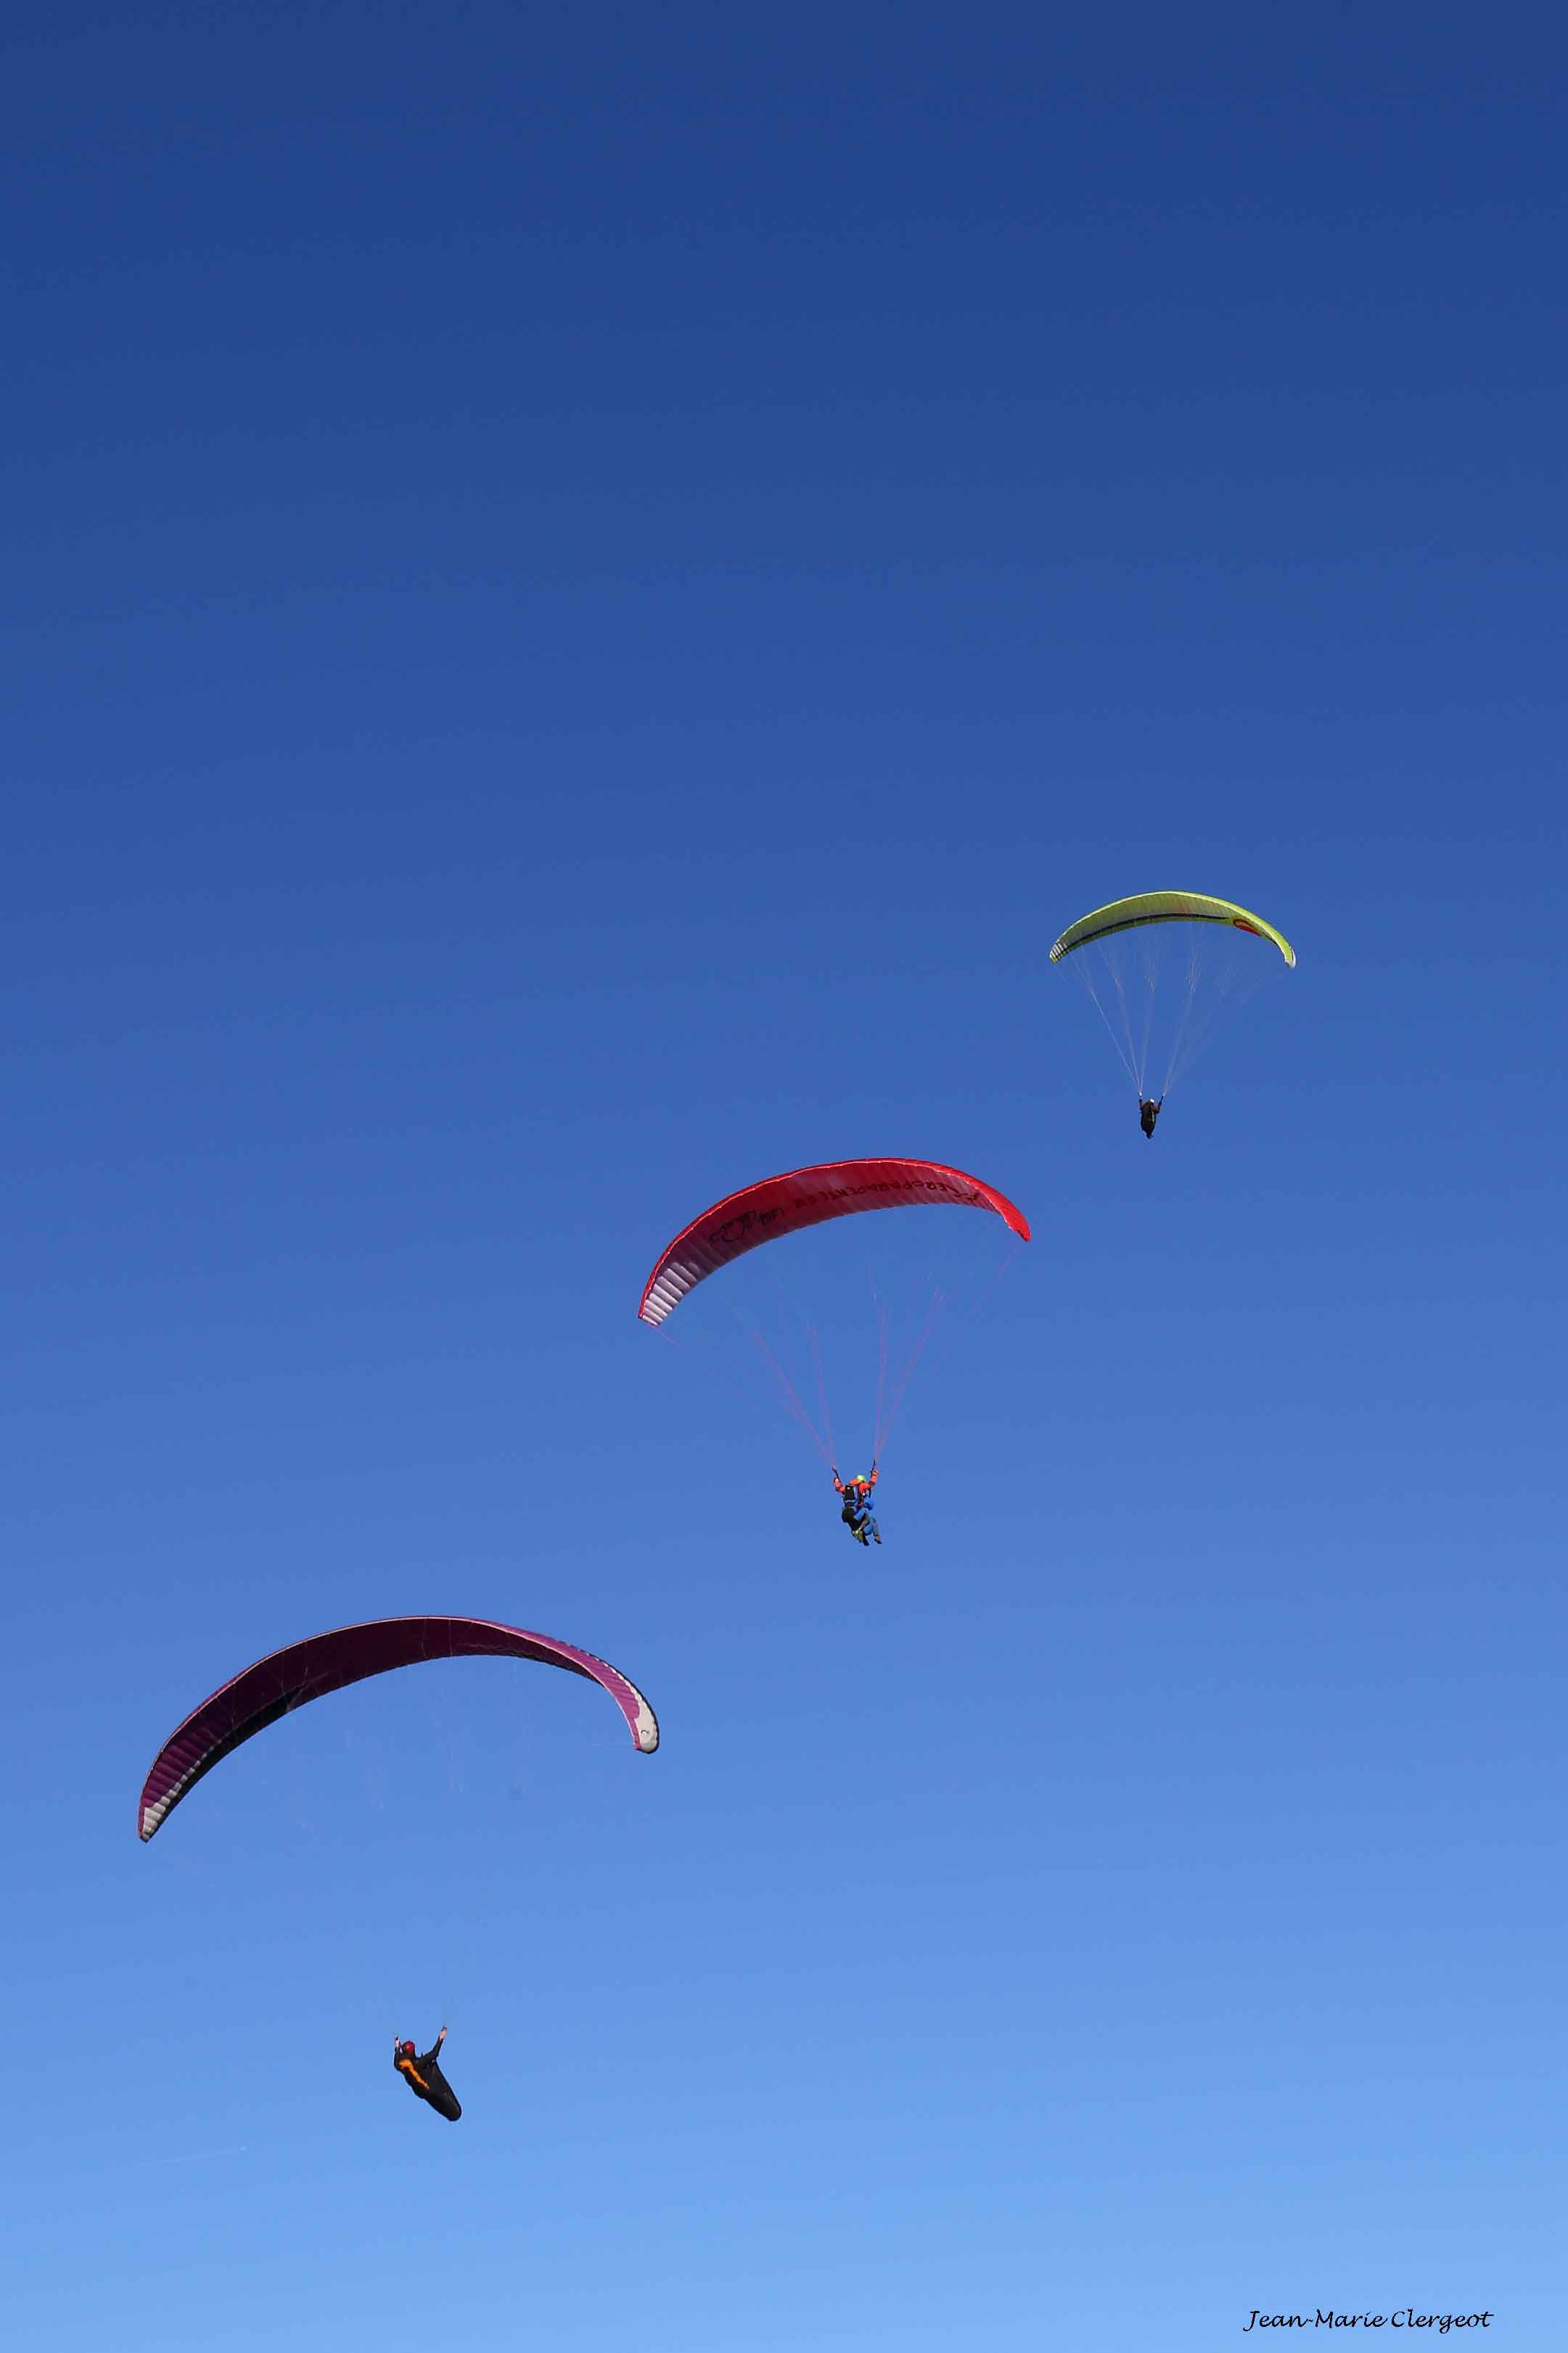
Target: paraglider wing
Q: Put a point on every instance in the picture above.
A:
(807, 1196)
(1166, 907)
(329, 1663)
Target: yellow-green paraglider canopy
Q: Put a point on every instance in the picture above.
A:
(1166, 907)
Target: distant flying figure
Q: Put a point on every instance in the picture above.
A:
(1149, 1111)
(857, 1515)
(424, 2076)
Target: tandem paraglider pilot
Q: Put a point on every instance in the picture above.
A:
(857, 1515)
(423, 2075)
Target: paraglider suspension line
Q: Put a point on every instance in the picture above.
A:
(887, 1412)
(822, 1393)
(793, 1405)
(1124, 1044)
(738, 1384)
(1179, 1044)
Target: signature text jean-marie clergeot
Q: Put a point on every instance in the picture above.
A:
(1405, 2317)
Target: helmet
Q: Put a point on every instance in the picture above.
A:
(405, 2050)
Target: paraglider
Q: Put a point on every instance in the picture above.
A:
(1116, 952)
(857, 1515)
(421, 2070)
(1165, 907)
(291, 1678)
(807, 1196)
(791, 1203)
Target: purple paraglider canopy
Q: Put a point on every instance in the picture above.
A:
(288, 1679)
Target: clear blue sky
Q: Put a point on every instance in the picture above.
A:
(585, 592)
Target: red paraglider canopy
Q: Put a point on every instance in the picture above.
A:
(807, 1196)
(328, 1663)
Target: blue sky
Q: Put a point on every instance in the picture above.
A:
(584, 598)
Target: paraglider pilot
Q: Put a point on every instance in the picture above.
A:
(857, 1515)
(423, 2077)
(1149, 1111)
